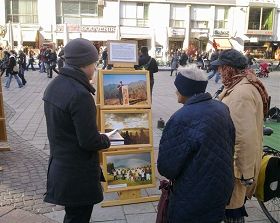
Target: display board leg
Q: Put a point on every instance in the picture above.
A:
(130, 197)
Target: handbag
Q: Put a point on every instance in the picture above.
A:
(16, 68)
(166, 188)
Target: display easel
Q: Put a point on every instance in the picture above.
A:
(129, 196)
(4, 146)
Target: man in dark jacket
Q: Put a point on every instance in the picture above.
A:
(74, 172)
(149, 64)
(196, 153)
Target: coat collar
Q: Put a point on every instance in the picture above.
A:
(226, 92)
(198, 98)
(78, 75)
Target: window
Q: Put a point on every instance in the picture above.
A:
(134, 14)
(177, 16)
(221, 18)
(72, 12)
(260, 18)
(22, 11)
(200, 16)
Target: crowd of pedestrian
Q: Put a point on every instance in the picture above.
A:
(14, 64)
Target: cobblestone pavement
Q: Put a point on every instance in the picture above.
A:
(22, 182)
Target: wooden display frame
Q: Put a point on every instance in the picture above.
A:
(139, 78)
(118, 126)
(133, 173)
(118, 59)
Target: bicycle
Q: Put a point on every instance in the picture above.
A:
(271, 208)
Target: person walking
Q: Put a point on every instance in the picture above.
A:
(12, 70)
(51, 62)
(104, 58)
(214, 69)
(183, 59)
(74, 172)
(22, 66)
(196, 152)
(247, 99)
(149, 63)
(174, 63)
(4, 63)
(30, 60)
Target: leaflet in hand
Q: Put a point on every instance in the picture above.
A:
(114, 135)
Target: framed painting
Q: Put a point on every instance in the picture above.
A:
(134, 126)
(129, 169)
(124, 89)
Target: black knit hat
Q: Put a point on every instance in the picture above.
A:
(80, 52)
(231, 58)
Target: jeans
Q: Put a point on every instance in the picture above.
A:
(9, 79)
(42, 67)
(21, 75)
(212, 74)
(30, 62)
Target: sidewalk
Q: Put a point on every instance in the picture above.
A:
(23, 179)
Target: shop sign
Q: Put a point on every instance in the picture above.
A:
(3, 31)
(99, 29)
(197, 30)
(172, 32)
(85, 28)
(221, 32)
(260, 32)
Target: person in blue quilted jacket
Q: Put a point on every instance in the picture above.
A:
(196, 152)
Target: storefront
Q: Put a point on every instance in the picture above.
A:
(199, 38)
(176, 38)
(262, 49)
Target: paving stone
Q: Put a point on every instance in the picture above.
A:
(139, 208)
(101, 214)
(5, 210)
(21, 216)
(141, 218)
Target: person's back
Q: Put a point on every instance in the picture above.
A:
(74, 172)
(150, 64)
(196, 152)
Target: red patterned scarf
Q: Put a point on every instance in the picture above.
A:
(232, 76)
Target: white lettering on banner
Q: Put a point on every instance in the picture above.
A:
(176, 32)
(85, 28)
(99, 29)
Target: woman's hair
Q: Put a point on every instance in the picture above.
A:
(193, 73)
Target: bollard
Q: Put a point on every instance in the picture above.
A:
(160, 123)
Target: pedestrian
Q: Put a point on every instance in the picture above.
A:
(74, 171)
(12, 70)
(183, 59)
(104, 58)
(30, 60)
(60, 61)
(51, 62)
(4, 63)
(247, 99)
(148, 63)
(22, 66)
(196, 152)
(214, 69)
(174, 63)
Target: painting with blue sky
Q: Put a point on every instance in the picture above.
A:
(114, 86)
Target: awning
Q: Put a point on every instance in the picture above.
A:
(29, 36)
(223, 43)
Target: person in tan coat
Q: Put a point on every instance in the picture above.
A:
(247, 99)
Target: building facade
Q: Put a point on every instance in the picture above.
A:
(163, 27)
